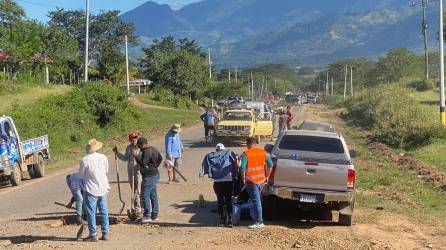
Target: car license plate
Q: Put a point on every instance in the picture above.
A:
(307, 198)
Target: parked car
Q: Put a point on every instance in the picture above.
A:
(311, 99)
(17, 157)
(313, 169)
(316, 126)
(239, 124)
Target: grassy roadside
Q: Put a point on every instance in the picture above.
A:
(382, 185)
(29, 94)
(434, 153)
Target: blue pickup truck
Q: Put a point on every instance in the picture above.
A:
(18, 157)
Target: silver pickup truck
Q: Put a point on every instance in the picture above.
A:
(314, 169)
(17, 157)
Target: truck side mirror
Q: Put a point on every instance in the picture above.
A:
(353, 154)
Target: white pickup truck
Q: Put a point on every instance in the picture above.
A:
(314, 169)
(17, 157)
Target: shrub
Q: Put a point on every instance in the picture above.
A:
(166, 97)
(421, 85)
(394, 117)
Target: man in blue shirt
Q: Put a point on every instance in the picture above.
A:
(174, 150)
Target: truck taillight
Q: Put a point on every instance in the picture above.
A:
(351, 178)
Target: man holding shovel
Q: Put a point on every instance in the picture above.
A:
(149, 159)
(133, 171)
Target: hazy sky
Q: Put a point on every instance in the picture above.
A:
(38, 9)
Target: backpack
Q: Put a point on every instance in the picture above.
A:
(217, 165)
(208, 118)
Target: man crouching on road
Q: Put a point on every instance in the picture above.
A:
(93, 173)
(254, 176)
(149, 159)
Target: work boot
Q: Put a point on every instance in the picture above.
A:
(229, 222)
(91, 238)
(221, 222)
(104, 237)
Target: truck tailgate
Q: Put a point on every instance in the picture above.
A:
(311, 175)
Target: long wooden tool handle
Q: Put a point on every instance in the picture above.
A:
(178, 172)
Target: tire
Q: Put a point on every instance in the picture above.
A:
(31, 171)
(16, 175)
(269, 207)
(345, 220)
(39, 168)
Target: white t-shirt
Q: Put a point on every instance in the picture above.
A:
(93, 172)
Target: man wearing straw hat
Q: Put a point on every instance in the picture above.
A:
(174, 150)
(93, 173)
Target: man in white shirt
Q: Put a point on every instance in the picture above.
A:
(93, 173)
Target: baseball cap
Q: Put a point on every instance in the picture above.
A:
(220, 146)
(133, 135)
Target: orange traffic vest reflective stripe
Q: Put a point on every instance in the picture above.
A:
(255, 170)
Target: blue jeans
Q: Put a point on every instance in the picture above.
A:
(239, 208)
(79, 200)
(149, 196)
(91, 203)
(255, 193)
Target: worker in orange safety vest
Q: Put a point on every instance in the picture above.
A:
(255, 170)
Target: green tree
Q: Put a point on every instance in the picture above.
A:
(178, 65)
(10, 12)
(107, 32)
(397, 63)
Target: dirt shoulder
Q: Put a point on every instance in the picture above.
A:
(184, 225)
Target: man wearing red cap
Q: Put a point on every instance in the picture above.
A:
(133, 169)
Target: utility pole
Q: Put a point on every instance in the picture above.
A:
(87, 23)
(332, 86)
(252, 87)
(249, 87)
(441, 40)
(229, 75)
(424, 30)
(351, 79)
(345, 82)
(326, 86)
(210, 64)
(127, 76)
(236, 75)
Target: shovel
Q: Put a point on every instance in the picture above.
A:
(131, 213)
(119, 186)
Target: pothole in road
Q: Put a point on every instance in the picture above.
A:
(70, 220)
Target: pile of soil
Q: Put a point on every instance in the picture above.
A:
(407, 161)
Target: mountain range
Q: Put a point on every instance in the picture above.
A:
(252, 32)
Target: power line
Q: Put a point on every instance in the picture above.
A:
(41, 4)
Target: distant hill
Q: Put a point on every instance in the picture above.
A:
(251, 32)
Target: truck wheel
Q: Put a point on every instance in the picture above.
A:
(39, 168)
(16, 175)
(31, 171)
(345, 219)
(269, 207)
